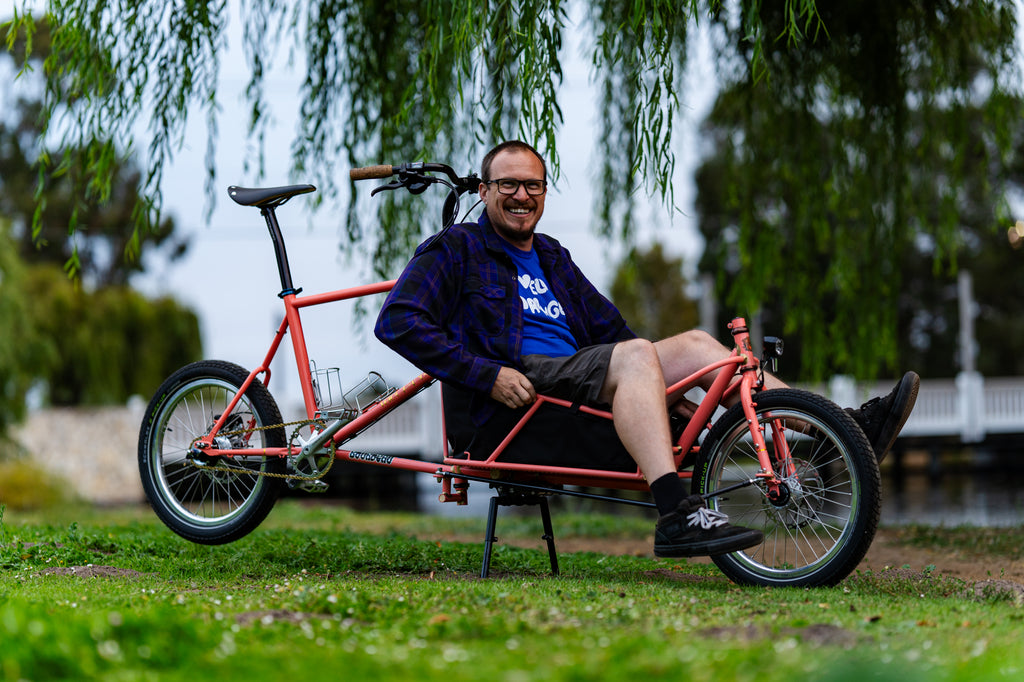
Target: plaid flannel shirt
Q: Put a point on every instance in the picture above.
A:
(455, 311)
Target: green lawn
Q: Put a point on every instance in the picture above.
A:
(322, 592)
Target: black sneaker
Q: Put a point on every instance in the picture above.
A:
(694, 530)
(883, 418)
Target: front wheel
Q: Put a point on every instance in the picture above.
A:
(819, 524)
(206, 498)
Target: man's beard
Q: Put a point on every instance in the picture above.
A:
(514, 236)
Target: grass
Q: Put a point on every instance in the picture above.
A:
(323, 592)
(977, 541)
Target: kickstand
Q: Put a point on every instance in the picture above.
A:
(518, 500)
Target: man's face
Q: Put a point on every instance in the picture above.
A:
(514, 216)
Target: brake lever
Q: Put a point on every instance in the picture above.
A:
(415, 184)
(389, 186)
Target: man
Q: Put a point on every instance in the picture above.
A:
(500, 313)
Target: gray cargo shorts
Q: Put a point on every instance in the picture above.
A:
(578, 378)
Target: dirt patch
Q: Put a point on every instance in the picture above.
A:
(90, 571)
(886, 552)
(818, 634)
(997, 589)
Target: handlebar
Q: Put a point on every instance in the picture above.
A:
(369, 172)
(413, 174)
(417, 177)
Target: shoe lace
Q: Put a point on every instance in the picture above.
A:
(707, 518)
(868, 413)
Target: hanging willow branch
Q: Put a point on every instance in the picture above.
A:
(386, 81)
(867, 144)
(817, 118)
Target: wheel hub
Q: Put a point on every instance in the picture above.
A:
(798, 498)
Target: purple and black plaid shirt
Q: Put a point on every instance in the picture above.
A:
(455, 311)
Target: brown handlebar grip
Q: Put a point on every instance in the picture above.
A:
(367, 172)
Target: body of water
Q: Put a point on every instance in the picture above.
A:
(955, 488)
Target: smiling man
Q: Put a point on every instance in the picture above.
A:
(499, 313)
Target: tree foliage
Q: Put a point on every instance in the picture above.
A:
(108, 344)
(649, 288)
(386, 81)
(21, 350)
(820, 159)
(90, 340)
(888, 143)
(82, 347)
(53, 221)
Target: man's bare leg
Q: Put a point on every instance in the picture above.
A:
(635, 388)
(683, 354)
(638, 373)
(882, 419)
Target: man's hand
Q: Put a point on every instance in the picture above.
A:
(512, 388)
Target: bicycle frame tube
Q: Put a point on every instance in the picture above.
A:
(700, 420)
(740, 361)
(292, 322)
(747, 387)
(712, 399)
(292, 303)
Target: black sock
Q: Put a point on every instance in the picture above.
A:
(668, 492)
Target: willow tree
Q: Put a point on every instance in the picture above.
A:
(884, 148)
(394, 80)
(385, 81)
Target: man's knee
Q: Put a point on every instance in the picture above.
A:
(634, 354)
(694, 341)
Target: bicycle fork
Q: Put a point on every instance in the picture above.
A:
(773, 481)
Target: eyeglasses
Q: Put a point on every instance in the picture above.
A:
(511, 186)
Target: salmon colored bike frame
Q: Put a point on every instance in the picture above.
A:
(742, 361)
(820, 506)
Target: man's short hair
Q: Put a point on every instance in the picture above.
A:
(510, 145)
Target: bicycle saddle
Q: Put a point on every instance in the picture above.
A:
(267, 197)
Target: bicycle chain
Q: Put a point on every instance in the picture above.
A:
(332, 449)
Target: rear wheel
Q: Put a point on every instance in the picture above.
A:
(210, 499)
(820, 525)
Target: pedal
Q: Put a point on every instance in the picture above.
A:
(308, 486)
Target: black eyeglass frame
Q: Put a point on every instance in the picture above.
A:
(543, 186)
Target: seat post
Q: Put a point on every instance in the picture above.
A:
(283, 269)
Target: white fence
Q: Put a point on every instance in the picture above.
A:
(970, 406)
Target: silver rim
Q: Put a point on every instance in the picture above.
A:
(816, 521)
(202, 495)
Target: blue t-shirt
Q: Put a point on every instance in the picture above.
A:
(545, 329)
